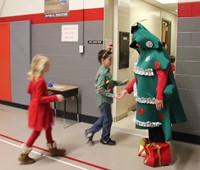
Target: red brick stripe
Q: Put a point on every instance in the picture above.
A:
(74, 16)
(189, 9)
(5, 76)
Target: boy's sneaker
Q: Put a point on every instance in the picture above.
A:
(89, 135)
(108, 142)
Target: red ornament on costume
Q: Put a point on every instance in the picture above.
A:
(161, 116)
(141, 111)
(157, 65)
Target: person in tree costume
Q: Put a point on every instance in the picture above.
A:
(158, 103)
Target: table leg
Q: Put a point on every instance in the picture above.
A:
(64, 111)
(55, 109)
(77, 108)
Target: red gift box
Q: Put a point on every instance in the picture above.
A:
(143, 142)
(157, 154)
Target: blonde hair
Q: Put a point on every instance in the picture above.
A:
(37, 66)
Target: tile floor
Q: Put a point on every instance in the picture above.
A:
(127, 125)
(81, 155)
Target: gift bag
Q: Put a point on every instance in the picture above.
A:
(143, 142)
(157, 154)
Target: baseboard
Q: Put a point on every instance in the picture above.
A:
(59, 113)
(183, 137)
(117, 118)
(73, 116)
(88, 119)
(21, 106)
(123, 115)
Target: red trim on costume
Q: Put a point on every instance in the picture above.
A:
(189, 9)
(95, 14)
(129, 87)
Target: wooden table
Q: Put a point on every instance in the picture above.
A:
(66, 91)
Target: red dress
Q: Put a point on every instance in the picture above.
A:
(40, 114)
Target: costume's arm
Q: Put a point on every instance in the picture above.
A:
(100, 85)
(42, 96)
(129, 87)
(162, 82)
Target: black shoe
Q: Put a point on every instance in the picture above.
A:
(108, 142)
(89, 135)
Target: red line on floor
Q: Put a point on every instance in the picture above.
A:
(67, 157)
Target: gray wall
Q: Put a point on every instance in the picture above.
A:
(20, 60)
(187, 73)
(68, 66)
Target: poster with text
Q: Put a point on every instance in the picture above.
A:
(56, 8)
(69, 33)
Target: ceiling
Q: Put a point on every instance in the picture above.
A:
(167, 7)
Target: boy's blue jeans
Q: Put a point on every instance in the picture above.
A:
(104, 122)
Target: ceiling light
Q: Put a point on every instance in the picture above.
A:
(167, 1)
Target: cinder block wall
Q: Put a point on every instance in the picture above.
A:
(43, 35)
(188, 65)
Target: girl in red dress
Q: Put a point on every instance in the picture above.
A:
(40, 115)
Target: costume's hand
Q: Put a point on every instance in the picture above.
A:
(60, 97)
(121, 94)
(159, 104)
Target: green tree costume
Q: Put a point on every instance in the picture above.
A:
(152, 57)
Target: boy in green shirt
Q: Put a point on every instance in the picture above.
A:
(104, 85)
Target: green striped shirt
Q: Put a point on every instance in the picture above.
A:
(104, 85)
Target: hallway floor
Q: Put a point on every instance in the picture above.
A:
(127, 126)
(80, 154)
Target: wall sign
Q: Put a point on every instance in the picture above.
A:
(69, 33)
(95, 42)
(56, 8)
